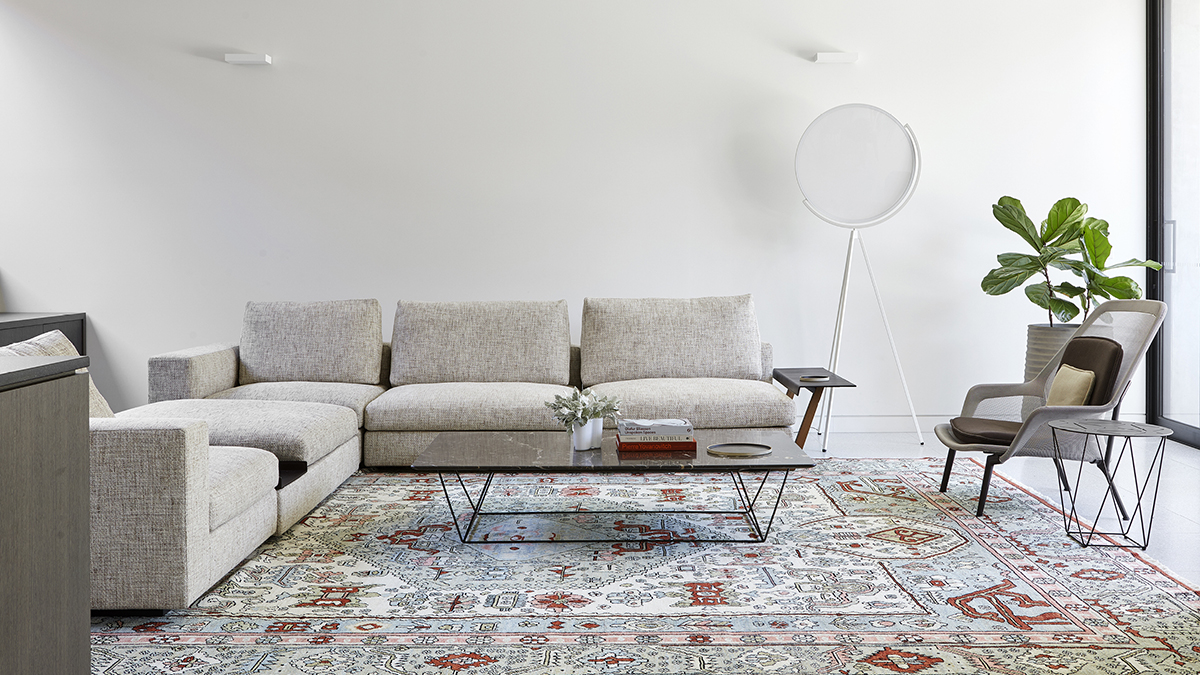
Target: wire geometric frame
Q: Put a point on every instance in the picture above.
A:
(1137, 525)
(748, 495)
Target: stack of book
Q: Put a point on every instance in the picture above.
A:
(654, 435)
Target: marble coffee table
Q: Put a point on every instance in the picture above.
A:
(495, 475)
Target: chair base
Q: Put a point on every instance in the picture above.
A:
(992, 461)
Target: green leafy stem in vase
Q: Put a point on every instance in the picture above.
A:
(1067, 240)
(582, 406)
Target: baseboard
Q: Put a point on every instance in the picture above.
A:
(880, 424)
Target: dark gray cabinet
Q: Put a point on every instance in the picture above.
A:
(17, 326)
(45, 589)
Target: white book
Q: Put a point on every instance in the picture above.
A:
(662, 427)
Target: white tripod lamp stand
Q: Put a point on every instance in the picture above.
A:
(857, 166)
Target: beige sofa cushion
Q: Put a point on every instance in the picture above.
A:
(632, 339)
(292, 431)
(237, 479)
(465, 406)
(510, 341)
(329, 341)
(55, 343)
(352, 396)
(708, 403)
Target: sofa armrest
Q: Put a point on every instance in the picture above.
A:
(198, 372)
(768, 361)
(149, 511)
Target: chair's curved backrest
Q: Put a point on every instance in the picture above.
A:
(1131, 324)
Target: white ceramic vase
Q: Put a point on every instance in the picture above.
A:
(586, 435)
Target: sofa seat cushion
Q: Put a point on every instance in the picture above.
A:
(327, 341)
(353, 396)
(465, 406)
(710, 403)
(483, 341)
(237, 479)
(636, 338)
(292, 431)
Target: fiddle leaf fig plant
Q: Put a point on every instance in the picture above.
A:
(1067, 240)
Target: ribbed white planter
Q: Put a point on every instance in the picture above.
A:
(1041, 344)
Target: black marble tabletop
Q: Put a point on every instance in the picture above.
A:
(550, 452)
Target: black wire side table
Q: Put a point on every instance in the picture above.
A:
(1134, 525)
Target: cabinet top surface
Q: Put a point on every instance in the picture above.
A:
(11, 317)
(17, 369)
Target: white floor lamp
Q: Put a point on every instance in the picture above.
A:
(857, 166)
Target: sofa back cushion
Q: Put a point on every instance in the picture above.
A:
(485, 341)
(632, 339)
(55, 343)
(327, 341)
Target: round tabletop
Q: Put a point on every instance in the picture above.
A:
(1111, 428)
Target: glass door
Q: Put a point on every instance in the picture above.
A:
(1175, 211)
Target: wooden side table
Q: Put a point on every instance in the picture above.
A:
(1145, 480)
(816, 381)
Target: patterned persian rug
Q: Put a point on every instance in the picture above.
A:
(868, 569)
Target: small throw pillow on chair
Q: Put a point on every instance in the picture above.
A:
(1071, 386)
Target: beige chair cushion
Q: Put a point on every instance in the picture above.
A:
(633, 339)
(1099, 355)
(510, 341)
(331, 341)
(55, 343)
(1071, 386)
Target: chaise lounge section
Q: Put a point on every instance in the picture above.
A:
(171, 513)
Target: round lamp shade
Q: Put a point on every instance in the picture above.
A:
(857, 165)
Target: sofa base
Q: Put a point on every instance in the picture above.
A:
(395, 448)
(303, 494)
(225, 548)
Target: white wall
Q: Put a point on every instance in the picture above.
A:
(537, 149)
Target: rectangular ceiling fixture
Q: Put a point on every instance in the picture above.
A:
(248, 59)
(837, 57)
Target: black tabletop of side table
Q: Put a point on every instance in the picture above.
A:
(793, 379)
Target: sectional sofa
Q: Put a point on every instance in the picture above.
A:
(241, 441)
(472, 366)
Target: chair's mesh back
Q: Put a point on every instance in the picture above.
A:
(1132, 330)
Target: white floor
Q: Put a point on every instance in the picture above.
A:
(1174, 540)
